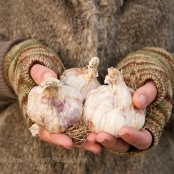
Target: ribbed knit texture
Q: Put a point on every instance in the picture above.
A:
(151, 64)
(18, 62)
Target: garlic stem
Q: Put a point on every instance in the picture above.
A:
(51, 83)
(114, 76)
(93, 65)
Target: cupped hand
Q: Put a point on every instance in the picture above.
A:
(128, 136)
(141, 139)
(40, 73)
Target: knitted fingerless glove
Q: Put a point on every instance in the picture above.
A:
(151, 64)
(18, 62)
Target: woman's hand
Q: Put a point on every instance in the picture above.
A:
(40, 73)
(128, 136)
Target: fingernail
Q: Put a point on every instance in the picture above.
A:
(47, 75)
(103, 141)
(124, 136)
(142, 99)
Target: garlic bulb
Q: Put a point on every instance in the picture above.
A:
(84, 79)
(109, 107)
(54, 106)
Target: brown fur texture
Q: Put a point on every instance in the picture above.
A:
(78, 30)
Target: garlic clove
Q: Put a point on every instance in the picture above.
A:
(84, 79)
(54, 105)
(109, 107)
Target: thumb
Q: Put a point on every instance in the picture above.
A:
(39, 73)
(144, 95)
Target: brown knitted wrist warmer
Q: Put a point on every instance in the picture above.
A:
(151, 64)
(18, 62)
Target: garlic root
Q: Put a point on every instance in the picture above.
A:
(78, 132)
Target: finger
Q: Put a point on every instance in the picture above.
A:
(95, 147)
(39, 73)
(91, 138)
(144, 95)
(90, 144)
(111, 142)
(56, 139)
(140, 139)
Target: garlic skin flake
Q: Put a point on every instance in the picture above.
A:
(34, 129)
(109, 107)
(84, 79)
(54, 106)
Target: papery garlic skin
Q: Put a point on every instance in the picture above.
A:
(84, 79)
(109, 107)
(34, 129)
(54, 106)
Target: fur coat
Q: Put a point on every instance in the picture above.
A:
(78, 30)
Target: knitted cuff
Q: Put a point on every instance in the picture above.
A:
(18, 62)
(151, 64)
